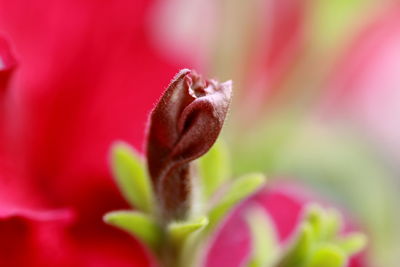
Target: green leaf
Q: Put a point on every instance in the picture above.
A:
(328, 255)
(265, 245)
(138, 224)
(214, 168)
(131, 176)
(315, 216)
(353, 243)
(325, 247)
(326, 223)
(178, 232)
(300, 249)
(333, 222)
(238, 190)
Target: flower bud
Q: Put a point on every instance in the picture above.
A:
(183, 126)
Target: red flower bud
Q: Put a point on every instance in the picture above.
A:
(183, 126)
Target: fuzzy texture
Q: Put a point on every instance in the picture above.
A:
(183, 126)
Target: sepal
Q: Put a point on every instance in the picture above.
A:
(140, 225)
(237, 191)
(179, 232)
(214, 169)
(131, 176)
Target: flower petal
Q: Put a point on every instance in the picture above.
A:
(86, 79)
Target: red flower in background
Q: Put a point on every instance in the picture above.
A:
(284, 201)
(86, 77)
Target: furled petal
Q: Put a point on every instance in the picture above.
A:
(183, 126)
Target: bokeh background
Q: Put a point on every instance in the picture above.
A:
(316, 99)
(316, 93)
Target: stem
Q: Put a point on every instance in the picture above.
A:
(170, 255)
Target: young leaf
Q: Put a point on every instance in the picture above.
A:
(326, 247)
(328, 255)
(178, 232)
(238, 190)
(214, 168)
(131, 177)
(333, 223)
(265, 245)
(140, 225)
(315, 216)
(299, 251)
(353, 243)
